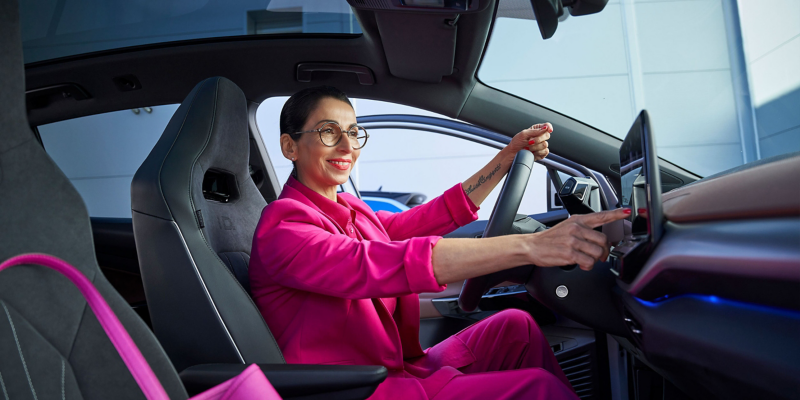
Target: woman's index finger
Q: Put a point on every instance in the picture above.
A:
(601, 218)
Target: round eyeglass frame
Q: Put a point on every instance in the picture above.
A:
(319, 132)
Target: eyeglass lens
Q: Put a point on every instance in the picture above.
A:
(331, 133)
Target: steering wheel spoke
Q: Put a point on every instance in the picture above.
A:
(500, 223)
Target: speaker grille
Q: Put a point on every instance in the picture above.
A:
(374, 4)
(578, 370)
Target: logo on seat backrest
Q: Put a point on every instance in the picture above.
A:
(225, 223)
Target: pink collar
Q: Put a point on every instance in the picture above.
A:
(340, 211)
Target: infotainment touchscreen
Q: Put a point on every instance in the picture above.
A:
(639, 190)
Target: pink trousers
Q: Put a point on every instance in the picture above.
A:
(512, 360)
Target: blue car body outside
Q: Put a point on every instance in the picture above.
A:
(385, 204)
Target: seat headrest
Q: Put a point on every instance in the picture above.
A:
(204, 134)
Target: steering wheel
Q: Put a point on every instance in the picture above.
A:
(500, 223)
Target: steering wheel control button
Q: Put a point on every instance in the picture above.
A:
(562, 291)
(567, 188)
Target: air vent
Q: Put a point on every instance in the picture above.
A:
(376, 4)
(578, 370)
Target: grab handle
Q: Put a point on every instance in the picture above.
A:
(364, 74)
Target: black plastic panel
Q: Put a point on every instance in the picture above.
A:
(335, 382)
(589, 299)
(756, 261)
(114, 243)
(729, 350)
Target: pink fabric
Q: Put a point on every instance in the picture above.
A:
(507, 340)
(122, 341)
(326, 274)
(504, 356)
(250, 384)
(337, 284)
(531, 383)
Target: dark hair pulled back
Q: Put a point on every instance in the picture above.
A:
(296, 110)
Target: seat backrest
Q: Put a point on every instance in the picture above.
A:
(194, 204)
(51, 344)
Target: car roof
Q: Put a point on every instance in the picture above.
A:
(266, 65)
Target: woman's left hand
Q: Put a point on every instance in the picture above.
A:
(533, 139)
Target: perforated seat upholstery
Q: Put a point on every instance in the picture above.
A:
(192, 249)
(51, 345)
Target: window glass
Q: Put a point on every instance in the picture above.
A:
(720, 79)
(101, 153)
(268, 117)
(406, 161)
(402, 160)
(59, 28)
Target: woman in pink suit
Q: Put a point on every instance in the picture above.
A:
(338, 283)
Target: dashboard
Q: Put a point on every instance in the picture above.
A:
(714, 305)
(705, 285)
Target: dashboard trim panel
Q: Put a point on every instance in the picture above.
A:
(756, 261)
(768, 189)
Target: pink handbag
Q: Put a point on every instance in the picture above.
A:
(250, 384)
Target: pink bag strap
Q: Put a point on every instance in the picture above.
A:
(138, 366)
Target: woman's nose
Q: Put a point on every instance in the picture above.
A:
(345, 145)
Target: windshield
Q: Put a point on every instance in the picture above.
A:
(720, 79)
(59, 28)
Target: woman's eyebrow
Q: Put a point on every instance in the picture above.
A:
(336, 122)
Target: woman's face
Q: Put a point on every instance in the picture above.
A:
(320, 166)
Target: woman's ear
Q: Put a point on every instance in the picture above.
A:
(288, 147)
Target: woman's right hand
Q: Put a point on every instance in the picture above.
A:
(571, 242)
(574, 241)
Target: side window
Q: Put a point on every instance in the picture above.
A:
(268, 121)
(398, 165)
(428, 163)
(101, 153)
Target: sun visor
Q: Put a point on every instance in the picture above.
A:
(421, 48)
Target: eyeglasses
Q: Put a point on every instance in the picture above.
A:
(330, 133)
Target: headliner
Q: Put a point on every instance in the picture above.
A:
(265, 66)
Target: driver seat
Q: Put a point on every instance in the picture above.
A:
(195, 208)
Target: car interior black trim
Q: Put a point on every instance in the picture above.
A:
(295, 380)
(687, 337)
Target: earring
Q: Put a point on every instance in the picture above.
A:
(292, 158)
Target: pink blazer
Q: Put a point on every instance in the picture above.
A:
(337, 283)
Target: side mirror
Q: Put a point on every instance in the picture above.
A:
(548, 11)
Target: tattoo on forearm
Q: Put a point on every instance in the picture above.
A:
(482, 180)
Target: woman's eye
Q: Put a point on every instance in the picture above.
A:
(327, 131)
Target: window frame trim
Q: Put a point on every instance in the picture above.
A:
(486, 137)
